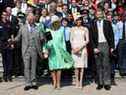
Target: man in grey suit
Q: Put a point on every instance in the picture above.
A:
(31, 47)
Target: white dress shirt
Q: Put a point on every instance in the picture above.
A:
(101, 37)
(125, 29)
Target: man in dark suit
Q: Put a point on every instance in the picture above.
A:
(122, 49)
(6, 48)
(103, 42)
(17, 57)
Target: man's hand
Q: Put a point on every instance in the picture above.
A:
(9, 40)
(12, 46)
(111, 50)
(96, 50)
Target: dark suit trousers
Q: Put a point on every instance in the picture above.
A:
(18, 66)
(103, 65)
(122, 57)
(7, 62)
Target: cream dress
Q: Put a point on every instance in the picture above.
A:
(79, 38)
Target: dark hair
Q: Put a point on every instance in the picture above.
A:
(80, 18)
(65, 5)
(64, 19)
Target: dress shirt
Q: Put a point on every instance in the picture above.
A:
(116, 34)
(101, 37)
(31, 28)
(66, 33)
(120, 28)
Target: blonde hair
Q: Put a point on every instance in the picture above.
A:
(55, 25)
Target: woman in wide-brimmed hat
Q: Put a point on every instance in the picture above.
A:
(55, 50)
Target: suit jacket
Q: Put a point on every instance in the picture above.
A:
(123, 35)
(14, 25)
(108, 33)
(23, 35)
(5, 34)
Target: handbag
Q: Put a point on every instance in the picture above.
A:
(48, 36)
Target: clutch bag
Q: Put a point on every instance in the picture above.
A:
(48, 36)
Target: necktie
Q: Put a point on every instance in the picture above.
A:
(30, 29)
(65, 33)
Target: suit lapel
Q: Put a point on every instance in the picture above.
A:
(26, 31)
(96, 27)
(104, 27)
(124, 35)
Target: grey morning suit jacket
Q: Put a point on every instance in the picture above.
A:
(23, 35)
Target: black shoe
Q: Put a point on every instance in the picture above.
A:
(10, 79)
(5, 79)
(35, 87)
(107, 87)
(27, 88)
(113, 83)
(99, 87)
(0, 79)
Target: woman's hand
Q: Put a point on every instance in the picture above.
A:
(46, 55)
(76, 50)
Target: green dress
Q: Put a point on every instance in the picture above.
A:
(59, 58)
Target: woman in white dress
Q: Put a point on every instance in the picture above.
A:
(79, 38)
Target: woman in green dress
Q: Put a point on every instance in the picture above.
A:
(55, 50)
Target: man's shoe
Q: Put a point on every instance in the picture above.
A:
(27, 88)
(35, 87)
(113, 83)
(10, 79)
(5, 80)
(107, 87)
(99, 87)
(0, 79)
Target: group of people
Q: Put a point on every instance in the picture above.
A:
(77, 35)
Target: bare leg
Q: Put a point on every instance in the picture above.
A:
(53, 73)
(77, 77)
(81, 77)
(58, 78)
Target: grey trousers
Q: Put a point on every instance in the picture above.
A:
(103, 65)
(30, 61)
